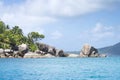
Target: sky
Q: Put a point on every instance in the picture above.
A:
(66, 24)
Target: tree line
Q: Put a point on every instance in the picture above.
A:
(11, 37)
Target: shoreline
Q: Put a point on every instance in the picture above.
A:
(47, 51)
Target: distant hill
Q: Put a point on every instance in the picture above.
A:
(111, 50)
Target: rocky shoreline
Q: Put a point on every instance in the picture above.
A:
(47, 51)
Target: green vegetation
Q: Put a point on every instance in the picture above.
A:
(14, 37)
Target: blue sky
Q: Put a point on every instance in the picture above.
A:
(67, 24)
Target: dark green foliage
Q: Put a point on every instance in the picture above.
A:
(33, 47)
(15, 37)
(35, 36)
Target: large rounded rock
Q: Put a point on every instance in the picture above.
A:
(46, 48)
(22, 49)
(42, 47)
(88, 51)
(60, 53)
(52, 50)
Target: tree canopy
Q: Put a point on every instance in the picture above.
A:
(35, 36)
(15, 37)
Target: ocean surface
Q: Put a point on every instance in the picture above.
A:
(60, 69)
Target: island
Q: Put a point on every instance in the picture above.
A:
(14, 44)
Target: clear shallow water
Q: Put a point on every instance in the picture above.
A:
(60, 69)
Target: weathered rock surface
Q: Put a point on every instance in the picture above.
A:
(60, 53)
(51, 50)
(8, 53)
(47, 51)
(22, 49)
(36, 55)
(90, 51)
(42, 47)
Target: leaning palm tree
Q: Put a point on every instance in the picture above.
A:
(35, 36)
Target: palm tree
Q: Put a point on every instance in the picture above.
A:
(17, 30)
(14, 37)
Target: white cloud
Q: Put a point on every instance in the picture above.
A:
(56, 35)
(98, 33)
(26, 22)
(100, 28)
(32, 14)
(64, 7)
(101, 31)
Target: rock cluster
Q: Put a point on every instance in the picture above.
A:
(90, 51)
(46, 51)
(19, 53)
(43, 51)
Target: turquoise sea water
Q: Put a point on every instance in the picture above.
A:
(60, 69)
